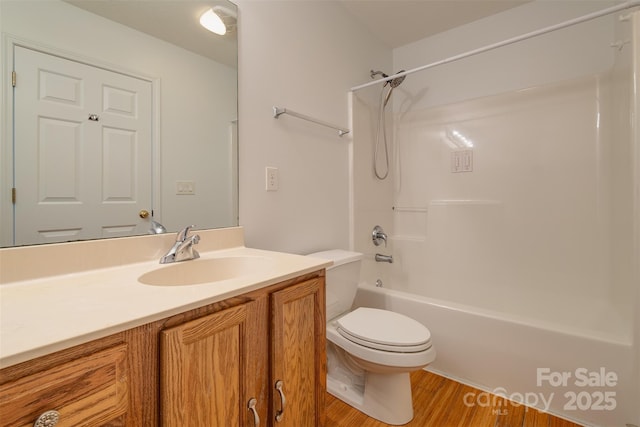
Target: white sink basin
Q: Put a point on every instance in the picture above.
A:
(210, 270)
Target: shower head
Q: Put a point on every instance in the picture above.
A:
(398, 80)
(393, 83)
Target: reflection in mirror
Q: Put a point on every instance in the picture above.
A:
(123, 116)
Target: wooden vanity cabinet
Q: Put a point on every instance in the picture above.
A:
(260, 361)
(92, 390)
(198, 368)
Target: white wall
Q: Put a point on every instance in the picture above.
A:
(187, 83)
(302, 55)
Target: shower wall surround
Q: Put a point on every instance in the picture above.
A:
(531, 226)
(539, 228)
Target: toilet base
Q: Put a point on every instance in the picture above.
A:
(385, 397)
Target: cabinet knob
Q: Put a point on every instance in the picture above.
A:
(283, 401)
(252, 407)
(47, 419)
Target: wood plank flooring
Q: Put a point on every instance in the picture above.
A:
(439, 402)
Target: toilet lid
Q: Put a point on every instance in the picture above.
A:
(384, 330)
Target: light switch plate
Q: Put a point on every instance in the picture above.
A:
(185, 187)
(272, 179)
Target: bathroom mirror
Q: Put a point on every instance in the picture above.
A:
(123, 114)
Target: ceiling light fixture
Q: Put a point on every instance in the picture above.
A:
(213, 22)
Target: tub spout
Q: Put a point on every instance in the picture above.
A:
(384, 258)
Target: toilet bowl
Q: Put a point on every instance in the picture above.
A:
(370, 352)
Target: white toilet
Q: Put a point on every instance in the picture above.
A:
(370, 352)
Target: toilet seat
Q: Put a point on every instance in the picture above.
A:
(384, 330)
(383, 358)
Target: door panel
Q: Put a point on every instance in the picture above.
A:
(299, 353)
(58, 181)
(60, 88)
(82, 150)
(119, 165)
(204, 370)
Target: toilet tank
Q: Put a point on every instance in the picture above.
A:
(341, 281)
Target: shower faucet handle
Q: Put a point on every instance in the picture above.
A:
(378, 236)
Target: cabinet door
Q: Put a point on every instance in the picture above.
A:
(205, 368)
(298, 354)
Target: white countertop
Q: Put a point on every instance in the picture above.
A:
(44, 315)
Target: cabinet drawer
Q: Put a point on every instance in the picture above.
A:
(89, 391)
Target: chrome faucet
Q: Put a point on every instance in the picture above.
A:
(384, 258)
(183, 249)
(378, 235)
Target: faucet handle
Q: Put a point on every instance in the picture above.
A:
(378, 236)
(182, 235)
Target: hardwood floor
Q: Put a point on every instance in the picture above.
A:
(439, 402)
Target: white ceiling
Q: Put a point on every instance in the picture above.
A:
(172, 21)
(399, 22)
(392, 22)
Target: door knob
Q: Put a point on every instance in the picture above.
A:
(143, 213)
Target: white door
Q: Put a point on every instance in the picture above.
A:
(82, 153)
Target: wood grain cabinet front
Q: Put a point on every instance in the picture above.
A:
(298, 355)
(259, 363)
(89, 391)
(204, 365)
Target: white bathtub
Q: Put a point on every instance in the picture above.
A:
(583, 378)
